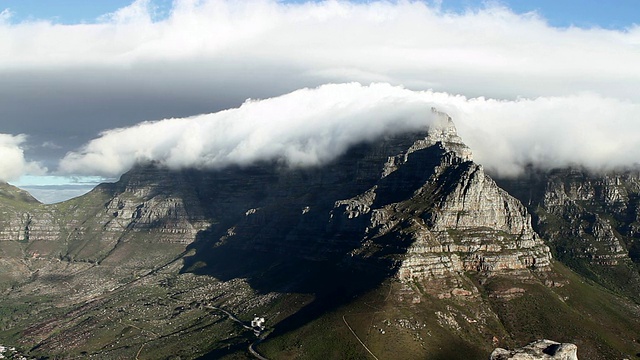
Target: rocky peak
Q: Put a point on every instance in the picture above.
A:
(444, 131)
(473, 226)
(453, 216)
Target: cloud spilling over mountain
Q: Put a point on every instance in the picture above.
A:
(304, 128)
(588, 130)
(311, 126)
(12, 160)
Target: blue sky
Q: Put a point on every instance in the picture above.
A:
(616, 14)
(67, 11)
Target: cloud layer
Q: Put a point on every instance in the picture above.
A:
(559, 88)
(311, 126)
(588, 130)
(405, 42)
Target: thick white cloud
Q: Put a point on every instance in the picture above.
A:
(304, 128)
(312, 126)
(490, 52)
(590, 130)
(12, 160)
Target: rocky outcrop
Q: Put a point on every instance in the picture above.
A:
(587, 204)
(166, 217)
(455, 218)
(538, 350)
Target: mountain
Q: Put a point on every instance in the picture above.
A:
(400, 248)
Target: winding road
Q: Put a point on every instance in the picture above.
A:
(235, 318)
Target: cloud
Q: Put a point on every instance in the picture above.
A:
(404, 42)
(51, 145)
(5, 15)
(587, 129)
(312, 126)
(64, 84)
(12, 160)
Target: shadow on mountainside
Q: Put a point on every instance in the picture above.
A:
(293, 238)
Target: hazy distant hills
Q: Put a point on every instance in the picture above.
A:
(400, 248)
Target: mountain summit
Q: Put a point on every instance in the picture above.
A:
(402, 245)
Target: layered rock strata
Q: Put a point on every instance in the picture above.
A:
(590, 219)
(455, 218)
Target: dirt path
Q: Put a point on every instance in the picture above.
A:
(358, 338)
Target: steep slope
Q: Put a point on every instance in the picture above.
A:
(14, 231)
(455, 219)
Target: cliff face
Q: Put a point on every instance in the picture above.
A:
(601, 212)
(590, 220)
(89, 228)
(454, 218)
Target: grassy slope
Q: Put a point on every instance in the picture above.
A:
(391, 326)
(581, 312)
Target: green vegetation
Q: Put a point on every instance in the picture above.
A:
(579, 312)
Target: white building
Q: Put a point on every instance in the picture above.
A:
(258, 323)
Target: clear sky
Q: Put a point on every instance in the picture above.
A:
(69, 11)
(85, 85)
(614, 14)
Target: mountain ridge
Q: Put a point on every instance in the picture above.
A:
(407, 224)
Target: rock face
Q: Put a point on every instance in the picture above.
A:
(453, 216)
(584, 201)
(14, 223)
(590, 219)
(90, 228)
(539, 350)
